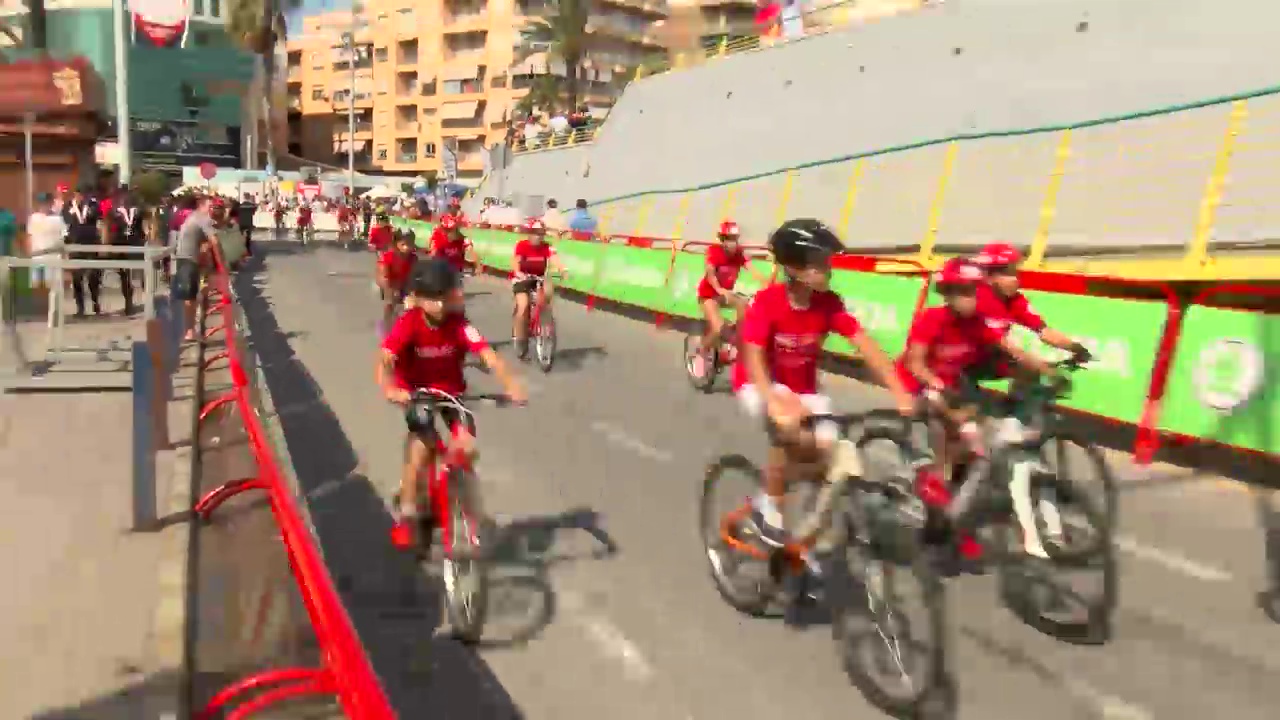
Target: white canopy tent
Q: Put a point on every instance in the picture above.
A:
(381, 193)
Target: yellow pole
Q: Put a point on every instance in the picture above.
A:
(730, 203)
(605, 218)
(1049, 208)
(787, 182)
(642, 217)
(1198, 250)
(935, 209)
(851, 196)
(677, 232)
(723, 47)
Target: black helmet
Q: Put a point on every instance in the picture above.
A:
(383, 218)
(803, 243)
(434, 279)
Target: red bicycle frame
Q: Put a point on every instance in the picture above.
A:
(535, 312)
(438, 486)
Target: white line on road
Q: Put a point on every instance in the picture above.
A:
(626, 440)
(1172, 561)
(608, 638)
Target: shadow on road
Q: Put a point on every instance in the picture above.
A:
(396, 609)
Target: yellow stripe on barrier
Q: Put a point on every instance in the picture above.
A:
(851, 195)
(677, 232)
(1049, 209)
(730, 203)
(1198, 250)
(642, 217)
(788, 181)
(935, 209)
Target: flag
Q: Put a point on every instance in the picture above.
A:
(163, 23)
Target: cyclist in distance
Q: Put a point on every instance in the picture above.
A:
(395, 265)
(944, 344)
(304, 218)
(381, 235)
(426, 348)
(776, 376)
(449, 244)
(1003, 305)
(724, 263)
(530, 260)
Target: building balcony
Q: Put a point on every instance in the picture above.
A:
(471, 161)
(294, 75)
(465, 22)
(406, 158)
(407, 128)
(660, 9)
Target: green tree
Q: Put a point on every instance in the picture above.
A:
(561, 32)
(258, 26)
(543, 94)
(151, 187)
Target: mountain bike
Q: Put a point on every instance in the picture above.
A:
(457, 513)
(306, 233)
(722, 357)
(542, 328)
(870, 529)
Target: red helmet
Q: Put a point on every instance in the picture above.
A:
(448, 222)
(535, 227)
(998, 254)
(958, 272)
(729, 229)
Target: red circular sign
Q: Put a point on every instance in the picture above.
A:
(208, 170)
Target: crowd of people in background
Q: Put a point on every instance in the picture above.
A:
(545, 129)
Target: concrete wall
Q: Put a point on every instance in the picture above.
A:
(969, 67)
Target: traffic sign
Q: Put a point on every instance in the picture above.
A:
(208, 170)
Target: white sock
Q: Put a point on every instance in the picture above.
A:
(769, 510)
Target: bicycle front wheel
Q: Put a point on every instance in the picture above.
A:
(466, 561)
(737, 559)
(545, 341)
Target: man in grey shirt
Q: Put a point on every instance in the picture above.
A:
(193, 240)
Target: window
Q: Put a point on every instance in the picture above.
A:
(382, 87)
(382, 153)
(315, 61)
(380, 54)
(405, 15)
(429, 149)
(499, 81)
(197, 7)
(215, 8)
(317, 92)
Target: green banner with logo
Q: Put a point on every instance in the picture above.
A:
(689, 270)
(1223, 385)
(636, 276)
(883, 304)
(493, 247)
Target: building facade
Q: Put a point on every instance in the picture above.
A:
(437, 76)
(186, 104)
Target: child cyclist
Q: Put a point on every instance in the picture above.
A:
(449, 244)
(724, 263)
(776, 376)
(944, 345)
(395, 266)
(426, 349)
(532, 257)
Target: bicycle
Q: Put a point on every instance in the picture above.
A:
(542, 328)
(871, 529)
(722, 357)
(306, 233)
(466, 532)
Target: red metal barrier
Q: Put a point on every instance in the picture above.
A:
(345, 670)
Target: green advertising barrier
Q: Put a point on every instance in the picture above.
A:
(1222, 386)
(883, 304)
(493, 247)
(581, 260)
(632, 275)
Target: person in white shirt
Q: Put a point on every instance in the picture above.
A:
(559, 124)
(47, 232)
(553, 218)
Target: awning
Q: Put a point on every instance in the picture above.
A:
(495, 112)
(464, 137)
(540, 64)
(458, 110)
(361, 146)
(459, 72)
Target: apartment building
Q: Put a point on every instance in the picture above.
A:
(434, 74)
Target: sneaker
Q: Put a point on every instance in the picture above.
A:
(699, 365)
(404, 533)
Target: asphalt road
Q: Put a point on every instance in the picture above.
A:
(604, 607)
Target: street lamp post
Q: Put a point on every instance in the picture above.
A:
(349, 41)
(120, 40)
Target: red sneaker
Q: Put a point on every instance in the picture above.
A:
(403, 533)
(970, 548)
(932, 490)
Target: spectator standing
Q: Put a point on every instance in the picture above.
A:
(244, 218)
(125, 228)
(83, 219)
(194, 238)
(46, 232)
(559, 124)
(580, 220)
(768, 20)
(553, 218)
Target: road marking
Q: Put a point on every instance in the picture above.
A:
(1172, 561)
(609, 639)
(627, 441)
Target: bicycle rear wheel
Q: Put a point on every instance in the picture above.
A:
(465, 564)
(711, 366)
(544, 345)
(737, 560)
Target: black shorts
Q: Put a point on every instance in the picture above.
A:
(525, 286)
(422, 423)
(186, 279)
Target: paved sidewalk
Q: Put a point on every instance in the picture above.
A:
(92, 615)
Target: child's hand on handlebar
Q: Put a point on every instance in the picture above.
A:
(397, 395)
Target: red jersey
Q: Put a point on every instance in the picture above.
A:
(453, 251)
(304, 216)
(953, 344)
(397, 266)
(381, 237)
(726, 266)
(432, 356)
(1001, 312)
(792, 337)
(532, 258)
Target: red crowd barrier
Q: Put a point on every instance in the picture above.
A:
(345, 670)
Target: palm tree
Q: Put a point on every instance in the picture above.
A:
(258, 26)
(544, 93)
(561, 31)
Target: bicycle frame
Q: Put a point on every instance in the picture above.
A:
(438, 485)
(536, 308)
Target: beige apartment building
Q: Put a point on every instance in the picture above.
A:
(432, 73)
